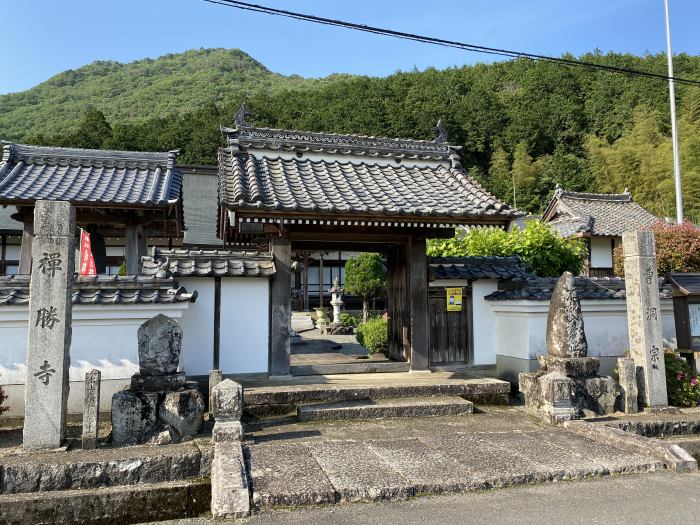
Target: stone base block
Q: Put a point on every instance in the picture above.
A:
(134, 417)
(227, 431)
(183, 411)
(167, 383)
(572, 366)
(601, 394)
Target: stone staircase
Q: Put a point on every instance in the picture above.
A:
(122, 485)
(384, 408)
(374, 396)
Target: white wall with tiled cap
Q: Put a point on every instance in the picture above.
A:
(198, 327)
(104, 337)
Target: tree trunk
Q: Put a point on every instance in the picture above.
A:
(365, 309)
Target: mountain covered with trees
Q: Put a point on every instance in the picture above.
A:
(523, 126)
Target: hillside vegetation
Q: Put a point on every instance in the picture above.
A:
(523, 125)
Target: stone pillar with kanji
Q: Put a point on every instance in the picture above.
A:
(50, 314)
(644, 316)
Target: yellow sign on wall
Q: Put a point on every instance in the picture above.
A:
(454, 299)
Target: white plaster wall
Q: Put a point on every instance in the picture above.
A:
(198, 327)
(521, 326)
(484, 322)
(601, 252)
(104, 337)
(245, 314)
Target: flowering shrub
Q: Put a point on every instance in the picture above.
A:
(677, 248)
(682, 385)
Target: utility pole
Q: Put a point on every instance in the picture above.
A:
(674, 127)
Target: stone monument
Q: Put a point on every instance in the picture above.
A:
(644, 316)
(50, 316)
(336, 300)
(230, 491)
(567, 385)
(160, 406)
(91, 409)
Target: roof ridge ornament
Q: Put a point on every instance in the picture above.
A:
(241, 115)
(440, 132)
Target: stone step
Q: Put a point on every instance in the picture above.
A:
(387, 408)
(44, 472)
(122, 504)
(349, 368)
(332, 388)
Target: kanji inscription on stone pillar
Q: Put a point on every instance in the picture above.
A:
(644, 315)
(50, 313)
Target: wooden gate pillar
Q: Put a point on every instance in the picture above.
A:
(25, 251)
(136, 247)
(418, 298)
(281, 307)
(397, 303)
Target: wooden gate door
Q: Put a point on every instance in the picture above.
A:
(451, 334)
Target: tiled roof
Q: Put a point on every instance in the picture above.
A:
(207, 263)
(199, 196)
(249, 137)
(478, 268)
(267, 182)
(7, 223)
(98, 177)
(103, 289)
(596, 214)
(540, 289)
(684, 283)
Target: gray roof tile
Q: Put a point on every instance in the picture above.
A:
(596, 214)
(251, 180)
(478, 268)
(116, 178)
(207, 263)
(249, 137)
(103, 289)
(541, 288)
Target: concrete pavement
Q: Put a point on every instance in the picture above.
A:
(660, 498)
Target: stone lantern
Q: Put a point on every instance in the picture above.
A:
(336, 300)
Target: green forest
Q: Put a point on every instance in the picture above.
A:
(524, 126)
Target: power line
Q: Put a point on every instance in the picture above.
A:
(446, 43)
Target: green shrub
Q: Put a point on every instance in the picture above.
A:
(547, 253)
(350, 319)
(365, 276)
(374, 335)
(682, 386)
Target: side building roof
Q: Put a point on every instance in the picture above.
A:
(595, 214)
(124, 179)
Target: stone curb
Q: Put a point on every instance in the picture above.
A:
(672, 456)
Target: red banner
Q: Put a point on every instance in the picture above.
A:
(87, 262)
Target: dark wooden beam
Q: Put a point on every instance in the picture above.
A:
(281, 307)
(397, 303)
(217, 323)
(418, 296)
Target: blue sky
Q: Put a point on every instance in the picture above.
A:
(43, 37)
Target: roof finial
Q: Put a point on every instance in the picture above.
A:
(440, 132)
(241, 115)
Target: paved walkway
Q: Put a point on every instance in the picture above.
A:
(312, 463)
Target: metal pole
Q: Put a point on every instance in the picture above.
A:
(674, 128)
